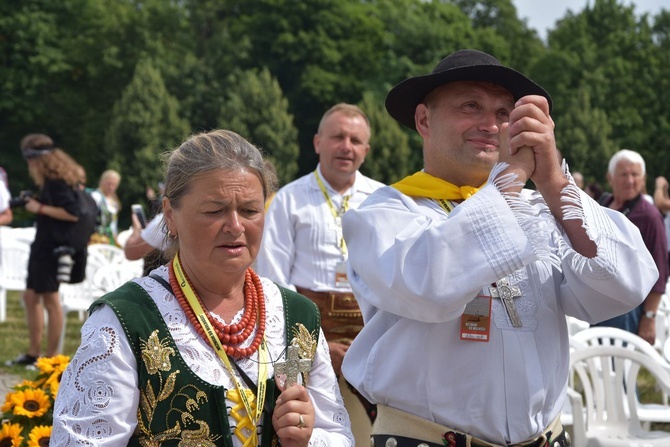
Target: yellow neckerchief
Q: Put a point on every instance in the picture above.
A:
(422, 184)
(263, 356)
(337, 214)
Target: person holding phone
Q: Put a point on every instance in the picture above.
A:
(138, 211)
(148, 241)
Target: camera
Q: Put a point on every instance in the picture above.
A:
(21, 200)
(65, 263)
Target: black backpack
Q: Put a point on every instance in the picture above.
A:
(81, 231)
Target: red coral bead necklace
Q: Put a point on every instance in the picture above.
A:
(230, 335)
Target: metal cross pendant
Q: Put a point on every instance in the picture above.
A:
(293, 365)
(507, 293)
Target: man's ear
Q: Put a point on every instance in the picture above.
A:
(315, 141)
(421, 115)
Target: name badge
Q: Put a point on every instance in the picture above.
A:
(341, 279)
(476, 319)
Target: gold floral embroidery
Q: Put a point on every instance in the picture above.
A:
(156, 354)
(156, 358)
(306, 342)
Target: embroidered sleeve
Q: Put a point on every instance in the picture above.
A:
(530, 209)
(98, 394)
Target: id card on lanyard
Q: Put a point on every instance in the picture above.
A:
(341, 279)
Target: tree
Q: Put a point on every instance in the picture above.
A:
(608, 52)
(144, 123)
(390, 158)
(256, 109)
(584, 138)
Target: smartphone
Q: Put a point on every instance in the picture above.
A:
(138, 211)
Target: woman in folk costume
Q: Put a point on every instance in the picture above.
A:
(203, 351)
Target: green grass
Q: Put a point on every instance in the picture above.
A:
(14, 335)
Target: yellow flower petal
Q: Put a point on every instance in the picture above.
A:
(39, 436)
(31, 403)
(10, 435)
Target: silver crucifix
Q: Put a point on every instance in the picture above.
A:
(293, 365)
(507, 293)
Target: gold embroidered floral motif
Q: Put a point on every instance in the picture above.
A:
(156, 358)
(156, 354)
(306, 342)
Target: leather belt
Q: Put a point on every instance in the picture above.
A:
(397, 428)
(562, 440)
(341, 318)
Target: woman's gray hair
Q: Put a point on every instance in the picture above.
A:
(627, 155)
(206, 152)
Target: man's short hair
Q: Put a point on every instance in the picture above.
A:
(625, 155)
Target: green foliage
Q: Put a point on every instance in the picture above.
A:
(71, 69)
(390, 158)
(255, 108)
(584, 139)
(144, 123)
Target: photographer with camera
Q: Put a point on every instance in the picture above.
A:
(54, 258)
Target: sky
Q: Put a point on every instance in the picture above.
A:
(542, 14)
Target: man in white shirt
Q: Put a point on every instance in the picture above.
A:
(303, 247)
(465, 279)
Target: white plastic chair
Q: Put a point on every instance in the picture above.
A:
(662, 325)
(566, 412)
(25, 235)
(13, 270)
(76, 298)
(608, 375)
(575, 325)
(111, 276)
(105, 254)
(610, 336)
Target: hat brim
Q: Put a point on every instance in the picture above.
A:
(402, 100)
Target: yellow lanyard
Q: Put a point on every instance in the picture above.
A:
(263, 357)
(446, 205)
(337, 214)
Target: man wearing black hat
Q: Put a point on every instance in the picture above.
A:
(464, 278)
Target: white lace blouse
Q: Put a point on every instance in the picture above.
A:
(99, 393)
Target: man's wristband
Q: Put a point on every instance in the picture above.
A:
(649, 314)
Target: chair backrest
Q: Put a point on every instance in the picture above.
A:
(662, 325)
(111, 276)
(13, 264)
(107, 252)
(25, 235)
(608, 375)
(611, 336)
(575, 325)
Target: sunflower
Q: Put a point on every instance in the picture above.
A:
(8, 406)
(50, 364)
(10, 435)
(30, 403)
(26, 384)
(39, 436)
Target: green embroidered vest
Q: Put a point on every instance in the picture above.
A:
(177, 407)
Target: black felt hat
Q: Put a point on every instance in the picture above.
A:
(462, 65)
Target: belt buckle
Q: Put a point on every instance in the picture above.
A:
(343, 305)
